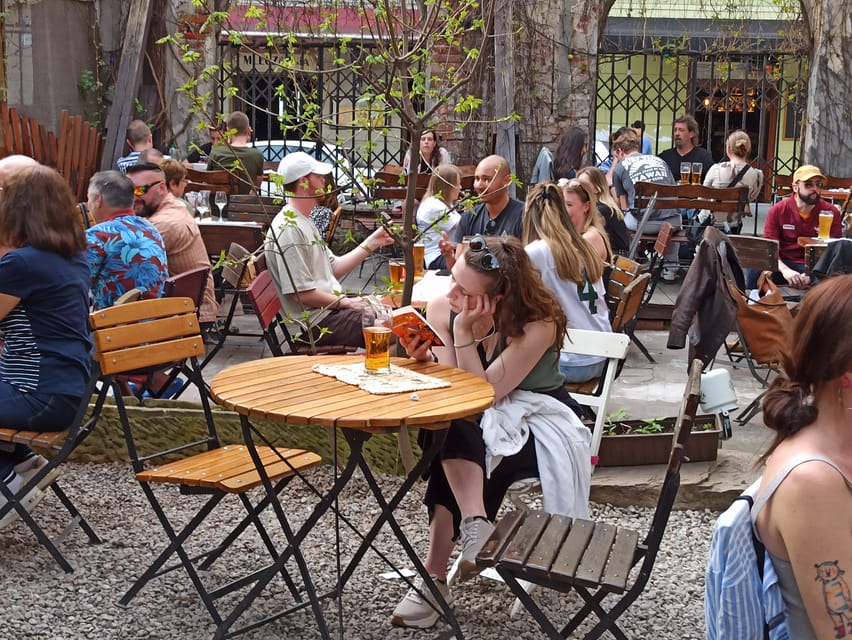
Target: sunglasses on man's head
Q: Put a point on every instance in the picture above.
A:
(489, 260)
(142, 189)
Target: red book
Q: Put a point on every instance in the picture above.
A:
(409, 322)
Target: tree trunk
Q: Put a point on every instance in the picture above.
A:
(504, 84)
(827, 129)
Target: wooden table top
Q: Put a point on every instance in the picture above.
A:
(286, 389)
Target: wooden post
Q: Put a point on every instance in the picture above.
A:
(127, 84)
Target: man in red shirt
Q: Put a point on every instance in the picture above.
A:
(798, 217)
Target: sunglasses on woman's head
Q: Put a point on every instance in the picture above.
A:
(489, 260)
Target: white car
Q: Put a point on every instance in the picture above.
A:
(348, 178)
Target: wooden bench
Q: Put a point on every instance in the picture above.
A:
(592, 558)
(689, 196)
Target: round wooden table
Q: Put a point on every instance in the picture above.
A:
(287, 390)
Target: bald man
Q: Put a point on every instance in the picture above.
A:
(13, 164)
(496, 214)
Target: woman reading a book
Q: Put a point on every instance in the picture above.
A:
(499, 322)
(571, 268)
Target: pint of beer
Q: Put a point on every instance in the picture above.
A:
(825, 220)
(685, 171)
(397, 273)
(376, 324)
(419, 259)
(696, 172)
(377, 349)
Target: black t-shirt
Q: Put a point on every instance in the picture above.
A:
(508, 223)
(698, 154)
(619, 238)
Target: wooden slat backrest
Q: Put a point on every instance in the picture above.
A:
(332, 225)
(264, 298)
(624, 271)
(755, 253)
(145, 334)
(664, 238)
(189, 284)
(690, 196)
(218, 236)
(631, 300)
(215, 180)
(389, 186)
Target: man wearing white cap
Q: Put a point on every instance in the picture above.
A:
(798, 217)
(304, 269)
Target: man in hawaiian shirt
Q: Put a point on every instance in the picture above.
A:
(125, 251)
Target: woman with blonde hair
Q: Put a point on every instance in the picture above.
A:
(613, 216)
(581, 205)
(736, 172)
(435, 215)
(571, 269)
(803, 511)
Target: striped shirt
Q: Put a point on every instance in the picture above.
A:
(47, 346)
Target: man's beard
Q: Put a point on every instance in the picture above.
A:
(144, 209)
(811, 199)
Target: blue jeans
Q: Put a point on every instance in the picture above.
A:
(583, 372)
(753, 274)
(32, 412)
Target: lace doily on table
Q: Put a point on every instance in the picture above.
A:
(399, 380)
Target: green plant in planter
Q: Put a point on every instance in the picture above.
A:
(650, 425)
(611, 421)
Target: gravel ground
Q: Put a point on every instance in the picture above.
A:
(41, 601)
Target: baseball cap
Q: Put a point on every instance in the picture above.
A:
(806, 172)
(299, 164)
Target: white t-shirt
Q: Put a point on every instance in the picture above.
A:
(584, 304)
(432, 209)
(309, 260)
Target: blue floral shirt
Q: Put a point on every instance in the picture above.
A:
(125, 252)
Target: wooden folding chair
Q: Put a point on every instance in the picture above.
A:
(264, 299)
(592, 558)
(149, 334)
(658, 260)
(254, 208)
(624, 317)
(755, 253)
(187, 284)
(63, 443)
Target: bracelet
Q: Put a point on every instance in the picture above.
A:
(477, 340)
(366, 248)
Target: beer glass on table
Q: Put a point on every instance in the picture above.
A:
(376, 325)
(826, 218)
(685, 171)
(696, 172)
(396, 269)
(419, 259)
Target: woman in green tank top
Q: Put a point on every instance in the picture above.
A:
(505, 326)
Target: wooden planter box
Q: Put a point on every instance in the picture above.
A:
(627, 449)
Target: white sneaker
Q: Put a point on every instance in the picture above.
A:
(31, 466)
(474, 534)
(420, 612)
(30, 500)
(669, 274)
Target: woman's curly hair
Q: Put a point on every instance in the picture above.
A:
(525, 298)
